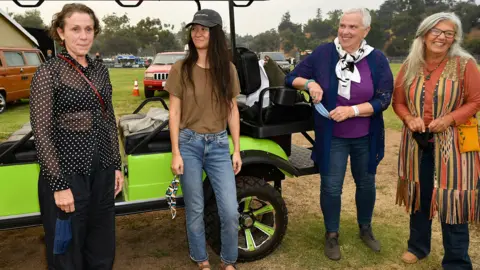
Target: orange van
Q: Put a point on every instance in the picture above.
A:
(17, 66)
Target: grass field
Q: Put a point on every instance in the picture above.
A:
(154, 241)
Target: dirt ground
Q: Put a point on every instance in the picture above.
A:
(154, 241)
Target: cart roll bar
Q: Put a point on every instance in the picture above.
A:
(15, 146)
(150, 136)
(148, 100)
(246, 5)
(231, 5)
(233, 40)
(28, 5)
(139, 2)
(199, 6)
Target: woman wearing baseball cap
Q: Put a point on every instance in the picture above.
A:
(203, 89)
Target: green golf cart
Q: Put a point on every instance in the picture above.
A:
(267, 152)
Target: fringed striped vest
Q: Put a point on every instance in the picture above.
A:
(456, 175)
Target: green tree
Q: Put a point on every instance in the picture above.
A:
(114, 23)
(469, 13)
(146, 30)
(31, 18)
(473, 46)
(286, 23)
(166, 41)
(183, 34)
(377, 35)
(318, 28)
(266, 41)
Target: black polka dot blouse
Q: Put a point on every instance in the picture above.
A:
(68, 122)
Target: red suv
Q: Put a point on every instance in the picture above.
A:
(157, 73)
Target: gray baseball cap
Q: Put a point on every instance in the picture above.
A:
(206, 17)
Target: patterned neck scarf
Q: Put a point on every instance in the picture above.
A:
(346, 70)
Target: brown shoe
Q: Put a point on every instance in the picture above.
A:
(409, 258)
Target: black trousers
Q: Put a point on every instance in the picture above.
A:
(93, 222)
(455, 236)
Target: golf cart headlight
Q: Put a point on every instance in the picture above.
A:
(148, 75)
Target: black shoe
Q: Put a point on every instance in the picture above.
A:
(367, 237)
(332, 248)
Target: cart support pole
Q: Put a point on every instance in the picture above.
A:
(232, 26)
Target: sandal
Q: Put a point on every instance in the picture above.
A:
(223, 266)
(409, 258)
(204, 266)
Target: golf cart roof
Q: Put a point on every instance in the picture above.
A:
(137, 3)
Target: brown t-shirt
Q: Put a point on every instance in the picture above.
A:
(201, 112)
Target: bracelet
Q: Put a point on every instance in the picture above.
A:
(306, 84)
(355, 109)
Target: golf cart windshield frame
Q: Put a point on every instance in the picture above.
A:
(231, 5)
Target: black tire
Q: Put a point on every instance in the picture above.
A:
(148, 93)
(249, 187)
(3, 103)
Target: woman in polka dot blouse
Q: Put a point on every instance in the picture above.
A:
(76, 139)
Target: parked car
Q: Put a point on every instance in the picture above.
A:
(278, 57)
(17, 66)
(157, 73)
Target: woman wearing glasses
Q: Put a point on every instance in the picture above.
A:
(436, 96)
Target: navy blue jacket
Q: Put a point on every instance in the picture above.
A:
(320, 66)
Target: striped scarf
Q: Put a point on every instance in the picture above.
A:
(456, 175)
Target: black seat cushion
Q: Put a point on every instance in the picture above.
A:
(278, 114)
(25, 153)
(248, 70)
(162, 138)
(26, 156)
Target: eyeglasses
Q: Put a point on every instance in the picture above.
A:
(437, 32)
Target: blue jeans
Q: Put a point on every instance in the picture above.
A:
(209, 152)
(455, 236)
(332, 182)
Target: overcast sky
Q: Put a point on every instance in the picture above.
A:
(259, 17)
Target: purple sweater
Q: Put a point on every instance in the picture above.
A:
(320, 66)
(356, 127)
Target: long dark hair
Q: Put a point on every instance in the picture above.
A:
(218, 59)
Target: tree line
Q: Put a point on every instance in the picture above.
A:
(392, 29)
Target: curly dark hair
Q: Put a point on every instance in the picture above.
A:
(58, 20)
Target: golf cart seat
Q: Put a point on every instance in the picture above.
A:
(288, 111)
(23, 150)
(153, 139)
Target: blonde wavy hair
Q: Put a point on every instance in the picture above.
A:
(416, 57)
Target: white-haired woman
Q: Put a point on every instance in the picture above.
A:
(353, 81)
(437, 96)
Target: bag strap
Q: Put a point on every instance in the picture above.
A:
(102, 103)
(461, 66)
